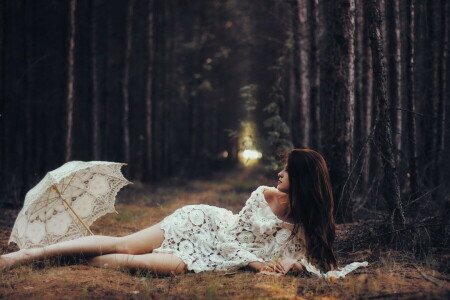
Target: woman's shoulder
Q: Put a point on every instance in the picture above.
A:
(268, 191)
(265, 188)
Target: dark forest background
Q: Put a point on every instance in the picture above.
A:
(169, 86)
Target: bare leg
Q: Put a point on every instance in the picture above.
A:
(159, 263)
(143, 241)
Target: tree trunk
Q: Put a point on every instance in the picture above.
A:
(367, 97)
(394, 71)
(337, 100)
(410, 97)
(29, 162)
(94, 84)
(70, 80)
(167, 105)
(313, 73)
(443, 89)
(359, 59)
(293, 107)
(383, 138)
(303, 70)
(446, 85)
(293, 64)
(3, 170)
(149, 95)
(436, 77)
(126, 82)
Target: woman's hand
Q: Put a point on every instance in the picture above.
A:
(274, 267)
(281, 266)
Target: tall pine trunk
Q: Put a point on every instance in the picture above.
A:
(94, 84)
(443, 89)
(29, 161)
(313, 73)
(3, 170)
(149, 95)
(337, 100)
(303, 43)
(126, 83)
(394, 71)
(167, 109)
(383, 138)
(410, 97)
(70, 80)
(367, 97)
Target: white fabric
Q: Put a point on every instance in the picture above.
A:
(339, 273)
(90, 188)
(212, 238)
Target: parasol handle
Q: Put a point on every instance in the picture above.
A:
(70, 207)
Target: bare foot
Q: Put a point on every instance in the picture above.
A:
(8, 261)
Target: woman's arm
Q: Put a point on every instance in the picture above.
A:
(274, 267)
(256, 266)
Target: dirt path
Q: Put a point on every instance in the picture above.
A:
(390, 275)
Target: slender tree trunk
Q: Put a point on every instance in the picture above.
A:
(304, 80)
(3, 170)
(293, 106)
(446, 86)
(337, 99)
(367, 97)
(383, 138)
(436, 77)
(410, 97)
(193, 99)
(293, 64)
(358, 73)
(313, 73)
(394, 71)
(168, 57)
(70, 80)
(149, 95)
(94, 82)
(28, 166)
(126, 83)
(442, 87)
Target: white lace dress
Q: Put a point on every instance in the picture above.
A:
(211, 238)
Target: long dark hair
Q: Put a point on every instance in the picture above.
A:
(311, 205)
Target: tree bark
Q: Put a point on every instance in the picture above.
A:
(410, 97)
(29, 162)
(313, 73)
(94, 83)
(443, 89)
(436, 77)
(3, 170)
(167, 105)
(394, 71)
(303, 72)
(70, 80)
(337, 99)
(149, 95)
(383, 138)
(367, 97)
(126, 82)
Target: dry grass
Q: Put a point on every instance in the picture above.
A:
(390, 275)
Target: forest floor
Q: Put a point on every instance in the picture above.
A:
(390, 274)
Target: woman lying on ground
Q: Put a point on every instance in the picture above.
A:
(276, 228)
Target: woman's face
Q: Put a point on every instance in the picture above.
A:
(283, 181)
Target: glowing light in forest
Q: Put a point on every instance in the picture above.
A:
(248, 154)
(251, 154)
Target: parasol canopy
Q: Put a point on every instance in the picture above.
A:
(66, 202)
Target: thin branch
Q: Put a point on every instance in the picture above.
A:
(415, 113)
(428, 278)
